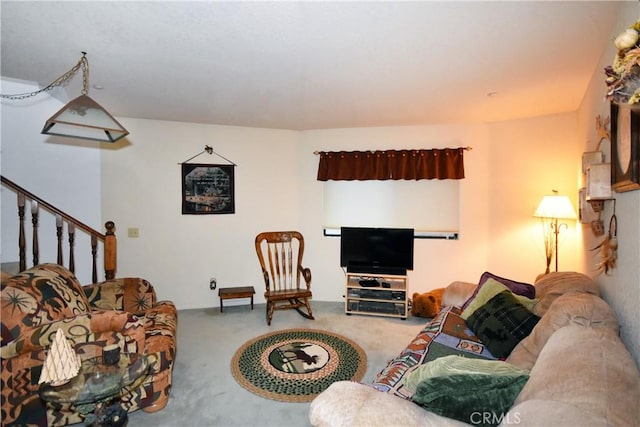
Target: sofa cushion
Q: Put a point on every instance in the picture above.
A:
(502, 323)
(518, 288)
(489, 289)
(347, 403)
(569, 309)
(39, 295)
(457, 365)
(590, 369)
(477, 399)
(132, 294)
(552, 285)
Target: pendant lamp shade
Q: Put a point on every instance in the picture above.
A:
(86, 119)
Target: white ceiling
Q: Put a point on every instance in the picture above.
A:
(314, 65)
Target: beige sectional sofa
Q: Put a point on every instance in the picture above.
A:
(581, 374)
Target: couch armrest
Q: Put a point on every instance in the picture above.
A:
(131, 294)
(457, 293)
(347, 403)
(88, 328)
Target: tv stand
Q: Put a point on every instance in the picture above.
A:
(389, 298)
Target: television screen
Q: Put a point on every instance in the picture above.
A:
(376, 250)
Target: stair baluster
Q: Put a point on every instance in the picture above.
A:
(71, 229)
(22, 243)
(34, 221)
(59, 235)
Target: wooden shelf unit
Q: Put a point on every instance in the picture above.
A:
(392, 301)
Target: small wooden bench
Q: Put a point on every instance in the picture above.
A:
(237, 292)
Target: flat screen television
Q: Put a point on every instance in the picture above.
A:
(376, 250)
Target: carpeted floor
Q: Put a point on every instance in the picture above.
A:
(204, 390)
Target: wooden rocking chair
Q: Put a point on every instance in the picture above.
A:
(280, 255)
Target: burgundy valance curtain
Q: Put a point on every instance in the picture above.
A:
(446, 163)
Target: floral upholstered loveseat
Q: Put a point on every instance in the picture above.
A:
(39, 301)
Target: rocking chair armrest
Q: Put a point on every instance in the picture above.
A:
(306, 274)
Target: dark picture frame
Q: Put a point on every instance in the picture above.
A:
(207, 189)
(625, 148)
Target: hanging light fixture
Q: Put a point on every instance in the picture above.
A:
(82, 117)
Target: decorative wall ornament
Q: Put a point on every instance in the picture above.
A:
(597, 176)
(609, 247)
(207, 189)
(625, 147)
(623, 75)
(590, 212)
(602, 130)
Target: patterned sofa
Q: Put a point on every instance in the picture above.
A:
(39, 301)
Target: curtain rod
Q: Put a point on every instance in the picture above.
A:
(464, 148)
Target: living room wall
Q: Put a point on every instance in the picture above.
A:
(621, 288)
(276, 188)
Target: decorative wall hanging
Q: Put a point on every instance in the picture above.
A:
(446, 163)
(597, 177)
(589, 213)
(609, 246)
(207, 188)
(623, 76)
(625, 147)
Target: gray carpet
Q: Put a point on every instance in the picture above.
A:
(204, 392)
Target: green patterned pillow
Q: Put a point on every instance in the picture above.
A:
(477, 399)
(458, 365)
(502, 323)
(490, 289)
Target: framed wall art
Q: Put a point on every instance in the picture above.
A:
(207, 189)
(625, 148)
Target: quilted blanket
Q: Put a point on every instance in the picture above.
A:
(446, 334)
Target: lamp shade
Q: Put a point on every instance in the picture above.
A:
(555, 207)
(84, 118)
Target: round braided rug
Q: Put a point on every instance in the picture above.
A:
(295, 365)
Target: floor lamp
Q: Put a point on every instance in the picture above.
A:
(553, 208)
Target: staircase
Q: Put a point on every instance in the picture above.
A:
(104, 243)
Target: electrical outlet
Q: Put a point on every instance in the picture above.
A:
(133, 232)
(213, 283)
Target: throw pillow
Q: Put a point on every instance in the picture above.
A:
(458, 365)
(518, 288)
(502, 323)
(477, 399)
(489, 289)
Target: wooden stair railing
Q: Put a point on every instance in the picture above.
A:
(108, 239)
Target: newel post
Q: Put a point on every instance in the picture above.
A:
(110, 251)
